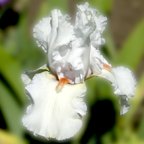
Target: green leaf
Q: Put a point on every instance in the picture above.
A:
(8, 138)
(98, 88)
(58, 4)
(10, 72)
(139, 107)
(103, 5)
(28, 53)
(47, 6)
(11, 110)
(133, 49)
(110, 44)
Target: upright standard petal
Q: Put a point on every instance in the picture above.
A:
(53, 32)
(42, 32)
(69, 46)
(87, 30)
(54, 114)
(90, 23)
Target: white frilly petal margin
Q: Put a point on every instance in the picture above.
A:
(124, 84)
(54, 114)
(90, 22)
(53, 31)
(124, 81)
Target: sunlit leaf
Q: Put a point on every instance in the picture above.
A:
(133, 49)
(138, 103)
(7, 138)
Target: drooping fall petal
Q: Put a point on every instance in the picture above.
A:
(54, 114)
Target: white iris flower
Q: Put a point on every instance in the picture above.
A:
(73, 52)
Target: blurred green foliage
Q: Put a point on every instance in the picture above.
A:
(7, 138)
(133, 49)
(104, 5)
(18, 52)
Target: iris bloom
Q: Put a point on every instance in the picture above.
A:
(73, 52)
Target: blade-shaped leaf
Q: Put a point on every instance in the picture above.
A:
(11, 110)
(104, 5)
(133, 49)
(10, 72)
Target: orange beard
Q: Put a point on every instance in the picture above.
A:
(62, 82)
(107, 67)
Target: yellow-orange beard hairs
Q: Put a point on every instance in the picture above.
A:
(62, 82)
(107, 67)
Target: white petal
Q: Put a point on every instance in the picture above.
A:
(65, 31)
(125, 81)
(54, 114)
(74, 63)
(97, 61)
(42, 32)
(69, 46)
(122, 80)
(124, 105)
(25, 78)
(91, 24)
(53, 31)
(124, 110)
